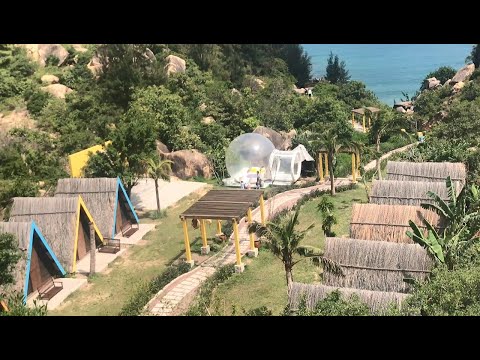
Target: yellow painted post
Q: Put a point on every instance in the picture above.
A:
(354, 169)
(219, 226)
(237, 242)
(262, 210)
(369, 121)
(203, 230)
(320, 166)
(327, 173)
(186, 240)
(364, 130)
(358, 163)
(251, 235)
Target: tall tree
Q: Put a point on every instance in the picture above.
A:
(283, 240)
(336, 71)
(9, 256)
(475, 55)
(159, 169)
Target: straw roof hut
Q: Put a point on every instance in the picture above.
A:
(377, 301)
(375, 265)
(63, 221)
(426, 171)
(38, 263)
(106, 199)
(392, 192)
(389, 222)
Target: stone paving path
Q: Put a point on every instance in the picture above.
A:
(171, 295)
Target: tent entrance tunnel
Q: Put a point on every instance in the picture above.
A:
(286, 166)
(229, 205)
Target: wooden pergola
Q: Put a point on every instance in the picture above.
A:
(355, 163)
(361, 111)
(229, 205)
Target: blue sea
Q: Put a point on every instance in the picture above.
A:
(389, 69)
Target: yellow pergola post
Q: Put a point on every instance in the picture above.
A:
(320, 166)
(219, 226)
(369, 121)
(354, 169)
(203, 229)
(262, 210)
(253, 252)
(239, 267)
(358, 162)
(353, 119)
(327, 173)
(364, 130)
(188, 254)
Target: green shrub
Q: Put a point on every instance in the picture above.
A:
(37, 101)
(16, 306)
(335, 304)
(146, 291)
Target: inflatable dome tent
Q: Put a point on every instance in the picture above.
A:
(251, 153)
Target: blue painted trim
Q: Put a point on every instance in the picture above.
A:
(128, 201)
(49, 249)
(115, 210)
(29, 259)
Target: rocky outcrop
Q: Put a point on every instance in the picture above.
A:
(458, 86)
(257, 84)
(95, 66)
(16, 119)
(161, 148)
(301, 91)
(448, 82)
(431, 83)
(202, 107)
(189, 163)
(49, 79)
(150, 55)
(208, 120)
(463, 74)
(404, 107)
(41, 52)
(79, 48)
(281, 141)
(57, 90)
(174, 65)
(400, 109)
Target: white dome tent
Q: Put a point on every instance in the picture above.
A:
(286, 166)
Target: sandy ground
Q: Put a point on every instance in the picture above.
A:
(143, 194)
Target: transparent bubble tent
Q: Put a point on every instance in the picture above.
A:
(252, 153)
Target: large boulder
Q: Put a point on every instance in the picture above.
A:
(41, 52)
(257, 84)
(287, 139)
(431, 83)
(189, 163)
(161, 148)
(174, 65)
(79, 48)
(463, 74)
(208, 120)
(57, 90)
(458, 86)
(95, 66)
(401, 109)
(275, 137)
(448, 82)
(49, 79)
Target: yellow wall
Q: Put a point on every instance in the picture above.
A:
(79, 159)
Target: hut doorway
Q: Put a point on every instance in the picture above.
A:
(124, 218)
(83, 242)
(42, 268)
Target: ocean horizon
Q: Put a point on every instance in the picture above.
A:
(389, 69)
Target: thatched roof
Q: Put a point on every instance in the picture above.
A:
(375, 300)
(375, 265)
(426, 171)
(101, 197)
(57, 218)
(389, 222)
(393, 192)
(24, 233)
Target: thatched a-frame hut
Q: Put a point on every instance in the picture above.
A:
(389, 222)
(38, 263)
(64, 223)
(107, 201)
(375, 265)
(378, 301)
(392, 192)
(426, 171)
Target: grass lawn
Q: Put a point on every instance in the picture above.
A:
(106, 293)
(263, 282)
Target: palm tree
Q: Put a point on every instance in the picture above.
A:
(326, 207)
(461, 215)
(283, 240)
(159, 169)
